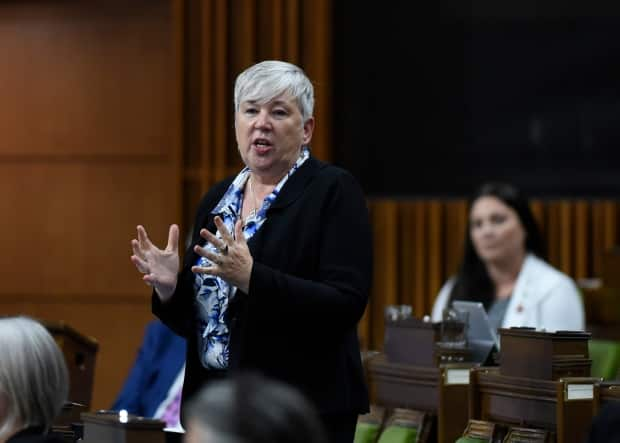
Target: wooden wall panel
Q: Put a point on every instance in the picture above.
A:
(62, 88)
(68, 225)
(91, 123)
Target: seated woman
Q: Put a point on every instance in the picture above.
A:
(34, 382)
(503, 267)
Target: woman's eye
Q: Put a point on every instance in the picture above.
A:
(280, 113)
(251, 111)
(476, 224)
(498, 219)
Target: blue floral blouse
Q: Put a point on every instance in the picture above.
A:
(213, 293)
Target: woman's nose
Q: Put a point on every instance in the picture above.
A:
(488, 229)
(262, 120)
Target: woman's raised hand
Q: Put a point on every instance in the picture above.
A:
(234, 261)
(160, 267)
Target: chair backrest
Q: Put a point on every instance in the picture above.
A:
(526, 435)
(605, 356)
(481, 431)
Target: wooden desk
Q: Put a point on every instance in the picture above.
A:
(564, 407)
(440, 391)
(80, 354)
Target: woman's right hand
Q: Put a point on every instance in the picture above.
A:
(160, 267)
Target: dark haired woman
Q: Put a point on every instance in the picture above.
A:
(503, 267)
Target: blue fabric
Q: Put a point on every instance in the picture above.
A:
(160, 358)
(213, 293)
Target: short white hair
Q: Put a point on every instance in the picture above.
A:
(267, 80)
(34, 381)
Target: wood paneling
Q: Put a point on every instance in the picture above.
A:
(68, 225)
(86, 81)
(91, 124)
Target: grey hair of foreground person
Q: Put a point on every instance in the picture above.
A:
(267, 80)
(250, 408)
(34, 381)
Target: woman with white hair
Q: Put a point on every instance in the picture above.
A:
(278, 274)
(34, 382)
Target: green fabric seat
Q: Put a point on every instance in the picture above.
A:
(605, 356)
(398, 434)
(366, 432)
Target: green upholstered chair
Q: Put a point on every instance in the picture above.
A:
(399, 434)
(405, 426)
(369, 425)
(605, 356)
(366, 432)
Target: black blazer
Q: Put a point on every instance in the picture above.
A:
(308, 290)
(34, 435)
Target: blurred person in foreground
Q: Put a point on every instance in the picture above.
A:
(34, 381)
(249, 408)
(503, 267)
(279, 272)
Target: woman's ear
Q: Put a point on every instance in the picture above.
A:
(308, 130)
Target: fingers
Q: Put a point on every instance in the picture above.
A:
(149, 279)
(211, 238)
(173, 238)
(203, 252)
(204, 269)
(221, 227)
(140, 263)
(143, 238)
(239, 230)
(135, 247)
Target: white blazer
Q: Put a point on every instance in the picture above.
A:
(543, 298)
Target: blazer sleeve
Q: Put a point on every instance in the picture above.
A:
(562, 309)
(339, 294)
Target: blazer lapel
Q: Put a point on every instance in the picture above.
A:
(295, 185)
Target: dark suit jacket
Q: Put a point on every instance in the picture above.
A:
(34, 435)
(308, 289)
(159, 360)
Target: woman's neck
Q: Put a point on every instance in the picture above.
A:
(504, 275)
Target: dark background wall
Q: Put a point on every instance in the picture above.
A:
(434, 99)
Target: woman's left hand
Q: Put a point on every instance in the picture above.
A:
(234, 261)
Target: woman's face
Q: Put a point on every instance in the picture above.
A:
(496, 231)
(270, 136)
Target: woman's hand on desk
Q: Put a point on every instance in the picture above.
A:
(160, 267)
